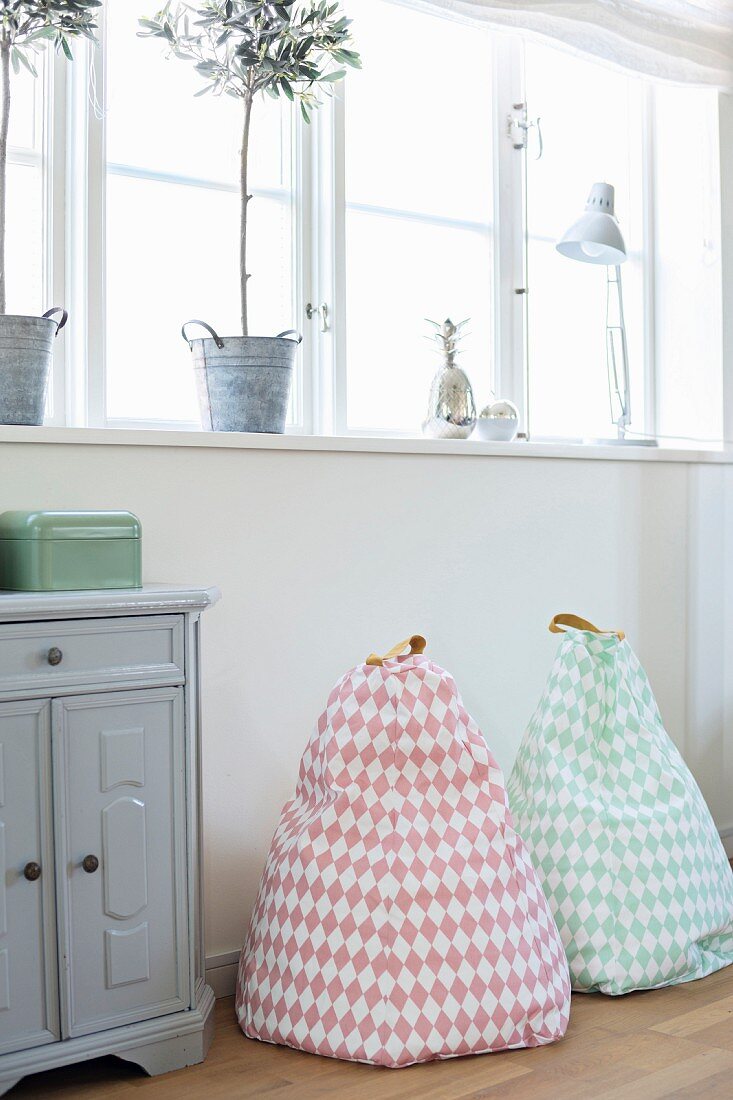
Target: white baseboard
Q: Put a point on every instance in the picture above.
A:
(221, 973)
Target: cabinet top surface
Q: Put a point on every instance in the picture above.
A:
(151, 599)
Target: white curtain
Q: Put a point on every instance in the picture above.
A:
(672, 40)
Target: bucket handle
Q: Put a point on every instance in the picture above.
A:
(64, 317)
(416, 643)
(576, 623)
(217, 339)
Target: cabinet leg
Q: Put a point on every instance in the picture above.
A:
(184, 1040)
(168, 1054)
(179, 1051)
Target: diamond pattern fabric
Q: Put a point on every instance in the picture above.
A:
(399, 919)
(623, 841)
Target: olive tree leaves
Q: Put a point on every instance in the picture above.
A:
(242, 47)
(28, 25)
(25, 27)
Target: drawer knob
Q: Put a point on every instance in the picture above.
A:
(55, 656)
(32, 871)
(90, 864)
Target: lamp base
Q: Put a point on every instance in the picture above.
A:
(624, 442)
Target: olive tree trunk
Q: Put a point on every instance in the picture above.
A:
(245, 200)
(4, 125)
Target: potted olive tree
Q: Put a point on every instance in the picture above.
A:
(25, 342)
(245, 49)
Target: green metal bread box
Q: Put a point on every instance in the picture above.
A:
(69, 551)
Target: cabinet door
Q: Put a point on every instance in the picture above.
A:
(119, 774)
(28, 982)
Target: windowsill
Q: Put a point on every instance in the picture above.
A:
(365, 444)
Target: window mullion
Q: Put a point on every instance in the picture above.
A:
(725, 184)
(54, 175)
(328, 266)
(305, 412)
(649, 184)
(510, 335)
(76, 232)
(86, 399)
(96, 238)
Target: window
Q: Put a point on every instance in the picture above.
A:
(172, 174)
(568, 392)
(407, 198)
(418, 199)
(35, 210)
(687, 305)
(26, 246)
(658, 145)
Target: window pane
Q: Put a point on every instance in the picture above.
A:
(419, 206)
(568, 390)
(159, 276)
(418, 135)
(157, 122)
(172, 244)
(391, 365)
(25, 239)
(688, 271)
(590, 137)
(26, 93)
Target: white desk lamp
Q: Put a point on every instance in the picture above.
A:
(596, 238)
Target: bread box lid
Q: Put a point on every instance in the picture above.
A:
(49, 526)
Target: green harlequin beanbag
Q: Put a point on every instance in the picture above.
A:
(624, 844)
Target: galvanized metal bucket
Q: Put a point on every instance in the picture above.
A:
(243, 382)
(26, 351)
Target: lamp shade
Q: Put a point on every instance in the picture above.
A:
(596, 237)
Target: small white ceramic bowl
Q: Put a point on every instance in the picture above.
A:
(497, 423)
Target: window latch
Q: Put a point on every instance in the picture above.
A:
(312, 311)
(518, 127)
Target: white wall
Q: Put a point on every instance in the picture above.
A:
(323, 557)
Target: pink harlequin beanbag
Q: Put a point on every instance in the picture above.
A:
(399, 918)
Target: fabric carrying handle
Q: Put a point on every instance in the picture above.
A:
(576, 623)
(416, 644)
(214, 336)
(64, 317)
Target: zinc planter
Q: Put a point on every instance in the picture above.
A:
(26, 351)
(243, 382)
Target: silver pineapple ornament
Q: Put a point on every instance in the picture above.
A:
(451, 409)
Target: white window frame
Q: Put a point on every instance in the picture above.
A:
(327, 359)
(86, 183)
(49, 121)
(509, 307)
(74, 154)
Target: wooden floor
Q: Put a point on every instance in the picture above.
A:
(674, 1042)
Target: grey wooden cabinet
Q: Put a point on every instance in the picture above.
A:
(101, 938)
(29, 1014)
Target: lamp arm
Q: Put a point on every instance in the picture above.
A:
(617, 347)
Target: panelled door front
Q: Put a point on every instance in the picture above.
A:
(28, 971)
(119, 774)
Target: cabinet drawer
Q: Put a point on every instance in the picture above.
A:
(63, 656)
